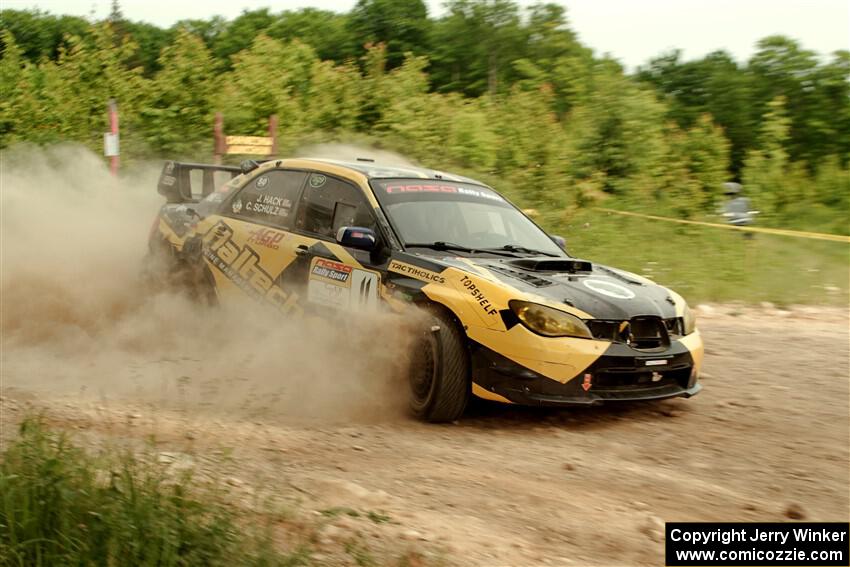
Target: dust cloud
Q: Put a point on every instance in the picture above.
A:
(351, 152)
(77, 319)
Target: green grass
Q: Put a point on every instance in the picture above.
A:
(61, 506)
(710, 264)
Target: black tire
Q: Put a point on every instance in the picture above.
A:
(164, 269)
(439, 370)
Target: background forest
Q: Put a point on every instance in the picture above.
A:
(504, 94)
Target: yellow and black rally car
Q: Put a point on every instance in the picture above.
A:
(510, 315)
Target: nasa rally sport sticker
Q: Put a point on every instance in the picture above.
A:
(262, 182)
(237, 205)
(610, 289)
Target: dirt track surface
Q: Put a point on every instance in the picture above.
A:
(516, 486)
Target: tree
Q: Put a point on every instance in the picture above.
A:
(715, 85)
(178, 116)
(208, 30)
(475, 46)
(40, 35)
(19, 105)
(619, 136)
(115, 14)
(554, 56)
(765, 169)
(240, 33)
(401, 25)
(150, 41)
(327, 32)
(88, 74)
(271, 77)
(335, 97)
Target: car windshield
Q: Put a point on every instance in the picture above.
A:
(454, 215)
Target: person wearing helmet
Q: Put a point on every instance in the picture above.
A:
(737, 208)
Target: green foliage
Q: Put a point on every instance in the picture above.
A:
(711, 264)
(40, 35)
(474, 45)
(785, 191)
(501, 93)
(61, 506)
(178, 115)
(327, 32)
(268, 78)
(619, 134)
(401, 25)
(703, 150)
(738, 97)
(240, 33)
(765, 169)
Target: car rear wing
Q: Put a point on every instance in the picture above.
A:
(190, 182)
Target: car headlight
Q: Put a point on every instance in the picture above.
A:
(689, 320)
(549, 322)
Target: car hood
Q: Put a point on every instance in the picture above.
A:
(601, 291)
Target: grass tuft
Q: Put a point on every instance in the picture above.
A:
(711, 264)
(61, 506)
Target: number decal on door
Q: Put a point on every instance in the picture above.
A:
(338, 285)
(364, 290)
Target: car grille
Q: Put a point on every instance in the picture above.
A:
(642, 333)
(608, 380)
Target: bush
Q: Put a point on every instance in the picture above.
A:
(61, 506)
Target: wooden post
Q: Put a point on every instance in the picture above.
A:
(220, 142)
(273, 133)
(113, 129)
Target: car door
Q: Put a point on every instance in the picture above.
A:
(248, 245)
(335, 277)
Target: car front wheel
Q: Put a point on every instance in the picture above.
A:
(439, 370)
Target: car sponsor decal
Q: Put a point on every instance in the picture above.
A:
(364, 290)
(439, 188)
(325, 293)
(478, 295)
(266, 237)
(338, 285)
(608, 288)
(333, 271)
(237, 205)
(317, 180)
(271, 205)
(262, 182)
(415, 272)
(241, 265)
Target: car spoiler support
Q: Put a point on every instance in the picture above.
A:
(175, 181)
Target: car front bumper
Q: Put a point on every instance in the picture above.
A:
(620, 374)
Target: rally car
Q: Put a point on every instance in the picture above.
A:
(510, 315)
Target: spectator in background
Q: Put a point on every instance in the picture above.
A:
(737, 209)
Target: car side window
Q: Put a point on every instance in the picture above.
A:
(329, 203)
(269, 198)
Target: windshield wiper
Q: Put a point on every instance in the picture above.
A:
(442, 245)
(517, 248)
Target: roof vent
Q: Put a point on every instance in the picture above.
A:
(370, 160)
(248, 166)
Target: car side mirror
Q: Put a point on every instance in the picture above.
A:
(560, 241)
(357, 237)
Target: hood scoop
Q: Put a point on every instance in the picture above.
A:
(568, 265)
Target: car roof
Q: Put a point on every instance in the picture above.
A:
(375, 170)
